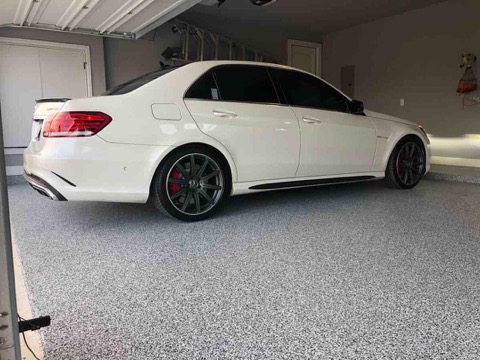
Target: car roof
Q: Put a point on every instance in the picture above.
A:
(213, 63)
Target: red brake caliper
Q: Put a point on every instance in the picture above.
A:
(174, 188)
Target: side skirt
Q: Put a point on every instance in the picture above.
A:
(314, 182)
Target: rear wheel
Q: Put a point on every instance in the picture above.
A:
(191, 184)
(406, 165)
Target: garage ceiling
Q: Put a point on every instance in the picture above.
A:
(319, 16)
(117, 18)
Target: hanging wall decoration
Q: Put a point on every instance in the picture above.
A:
(468, 82)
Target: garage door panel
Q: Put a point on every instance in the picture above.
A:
(7, 14)
(103, 10)
(124, 18)
(155, 9)
(54, 11)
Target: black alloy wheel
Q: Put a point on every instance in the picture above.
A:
(191, 184)
(406, 165)
(195, 184)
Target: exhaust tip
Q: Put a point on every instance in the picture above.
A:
(43, 187)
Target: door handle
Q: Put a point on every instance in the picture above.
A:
(224, 114)
(310, 120)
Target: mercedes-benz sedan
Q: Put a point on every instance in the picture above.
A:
(188, 137)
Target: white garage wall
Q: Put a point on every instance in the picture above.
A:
(270, 39)
(415, 56)
(127, 59)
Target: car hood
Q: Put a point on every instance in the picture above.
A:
(381, 116)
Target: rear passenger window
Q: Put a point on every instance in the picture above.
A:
(245, 83)
(304, 90)
(204, 88)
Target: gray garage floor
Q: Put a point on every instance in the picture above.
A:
(350, 271)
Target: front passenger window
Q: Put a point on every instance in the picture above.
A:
(304, 90)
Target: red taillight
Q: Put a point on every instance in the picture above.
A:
(75, 124)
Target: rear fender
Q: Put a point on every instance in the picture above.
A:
(202, 140)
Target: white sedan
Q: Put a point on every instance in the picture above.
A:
(188, 137)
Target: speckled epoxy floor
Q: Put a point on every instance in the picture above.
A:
(346, 272)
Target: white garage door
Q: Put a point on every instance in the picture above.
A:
(34, 71)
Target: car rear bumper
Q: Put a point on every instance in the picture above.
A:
(91, 169)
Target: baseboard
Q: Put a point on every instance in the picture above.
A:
(449, 161)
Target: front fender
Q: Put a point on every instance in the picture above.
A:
(388, 135)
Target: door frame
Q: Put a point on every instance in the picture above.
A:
(56, 46)
(318, 53)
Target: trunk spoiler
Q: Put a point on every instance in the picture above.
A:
(44, 100)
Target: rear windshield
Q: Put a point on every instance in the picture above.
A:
(139, 81)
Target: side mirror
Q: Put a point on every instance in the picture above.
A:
(356, 107)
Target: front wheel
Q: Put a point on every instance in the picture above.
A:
(406, 165)
(191, 184)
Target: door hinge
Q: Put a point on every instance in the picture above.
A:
(84, 65)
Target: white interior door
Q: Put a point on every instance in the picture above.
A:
(305, 56)
(63, 73)
(20, 85)
(29, 72)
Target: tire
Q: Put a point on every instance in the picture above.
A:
(187, 196)
(406, 165)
